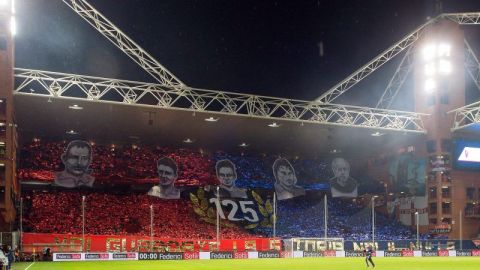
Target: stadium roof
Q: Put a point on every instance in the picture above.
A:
(129, 124)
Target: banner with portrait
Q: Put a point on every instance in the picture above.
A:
(226, 173)
(286, 180)
(76, 159)
(342, 184)
(407, 174)
(167, 170)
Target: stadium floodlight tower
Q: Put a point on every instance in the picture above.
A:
(7, 8)
(439, 81)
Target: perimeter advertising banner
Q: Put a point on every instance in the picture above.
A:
(308, 254)
(268, 254)
(221, 255)
(68, 257)
(126, 256)
(354, 254)
(392, 254)
(253, 255)
(464, 253)
(97, 256)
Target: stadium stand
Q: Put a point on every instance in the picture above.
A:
(120, 212)
(346, 219)
(117, 214)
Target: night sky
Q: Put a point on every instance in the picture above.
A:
(258, 47)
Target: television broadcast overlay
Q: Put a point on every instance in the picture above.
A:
(227, 139)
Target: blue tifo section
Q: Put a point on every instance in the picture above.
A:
(256, 171)
(301, 217)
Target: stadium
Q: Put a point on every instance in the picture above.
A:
(110, 173)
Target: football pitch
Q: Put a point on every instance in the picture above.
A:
(438, 263)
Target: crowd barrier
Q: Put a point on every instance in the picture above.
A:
(254, 255)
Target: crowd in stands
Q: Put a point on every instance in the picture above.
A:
(128, 212)
(120, 214)
(346, 219)
(39, 160)
(117, 214)
(252, 170)
(256, 170)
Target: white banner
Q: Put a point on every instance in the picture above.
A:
(340, 253)
(204, 255)
(298, 254)
(409, 206)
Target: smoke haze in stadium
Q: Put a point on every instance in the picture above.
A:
(258, 47)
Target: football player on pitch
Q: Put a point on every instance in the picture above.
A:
(368, 256)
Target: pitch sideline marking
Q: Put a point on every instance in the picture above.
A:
(29, 265)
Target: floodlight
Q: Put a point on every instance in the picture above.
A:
(430, 69)
(430, 85)
(443, 50)
(429, 52)
(75, 107)
(211, 119)
(444, 67)
(13, 26)
(188, 140)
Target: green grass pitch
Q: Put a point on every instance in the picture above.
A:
(438, 263)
